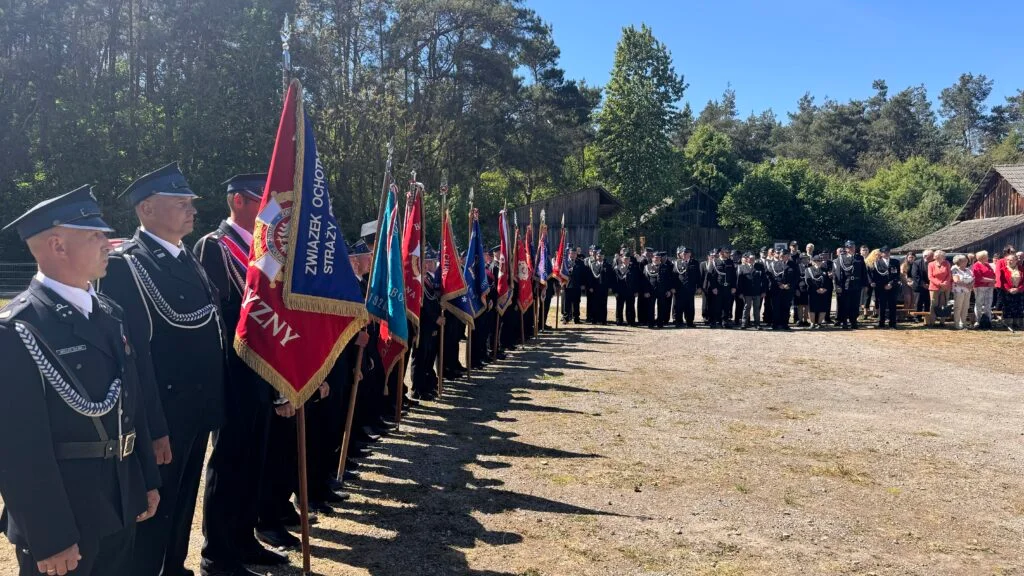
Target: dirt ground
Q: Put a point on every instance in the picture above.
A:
(626, 451)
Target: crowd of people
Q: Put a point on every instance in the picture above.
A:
(780, 289)
(120, 371)
(120, 368)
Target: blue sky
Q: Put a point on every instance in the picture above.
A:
(772, 51)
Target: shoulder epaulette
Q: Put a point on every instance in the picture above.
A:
(14, 307)
(124, 247)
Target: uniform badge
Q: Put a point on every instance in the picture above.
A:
(71, 350)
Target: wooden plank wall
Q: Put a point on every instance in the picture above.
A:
(700, 239)
(580, 211)
(995, 245)
(1003, 200)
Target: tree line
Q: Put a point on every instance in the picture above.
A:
(468, 91)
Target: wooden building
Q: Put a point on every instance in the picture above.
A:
(692, 223)
(992, 217)
(583, 210)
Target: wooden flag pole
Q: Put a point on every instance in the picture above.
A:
(300, 416)
(558, 303)
(399, 394)
(497, 332)
(469, 352)
(440, 348)
(357, 375)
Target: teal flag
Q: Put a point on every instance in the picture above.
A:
(385, 300)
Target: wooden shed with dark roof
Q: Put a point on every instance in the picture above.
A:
(992, 217)
(583, 211)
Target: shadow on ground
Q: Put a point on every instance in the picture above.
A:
(418, 498)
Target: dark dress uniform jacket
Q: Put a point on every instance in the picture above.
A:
(188, 372)
(228, 277)
(53, 503)
(578, 275)
(688, 276)
(627, 279)
(751, 279)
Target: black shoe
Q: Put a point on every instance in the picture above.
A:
(368, 433)
(336, 497)
(501, 356)
(386, 424)
(352, 465)
(260, 556)
(478, 365)
(410, 402)
(278, 538)
(350, 475)
(321, 508)
(291, 519)
(358, 453)
(211, 570)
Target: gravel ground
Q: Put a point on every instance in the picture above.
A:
(622, 451)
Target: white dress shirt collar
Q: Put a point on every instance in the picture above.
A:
(80, 299)
(241, 232)
(171, 248)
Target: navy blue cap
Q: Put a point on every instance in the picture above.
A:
(429, 253)
(496, 248)
(359, 247)
(884, 249)
(249, 184)
(76, 209)
(850, 244)
(661, 254)
(166, 181)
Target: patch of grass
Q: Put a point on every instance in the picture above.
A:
(530, 571)
(790, 500)
(549, 377)
(843, 472)
(721, 569)
(894, 490)
(563, 479)
(927, 434)
(742, 488)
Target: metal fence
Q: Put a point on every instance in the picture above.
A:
(14, 277)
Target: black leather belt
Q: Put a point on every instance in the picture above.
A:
(114, 448)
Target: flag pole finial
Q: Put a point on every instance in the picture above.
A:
(563, 219)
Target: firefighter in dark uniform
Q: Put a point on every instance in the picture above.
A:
(726, 269)
(687, 279)
(575, 286)
(77, 471)
(737, 314)
(424, 377)
(627, 279)
(884, 276)
(658, 284)
(709, 286)
(644, 302)
(783, 279)
(850, 275)
(171, 303)
(600, 283)
(236, 465)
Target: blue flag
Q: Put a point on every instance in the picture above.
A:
(475, 271)
(543, 260)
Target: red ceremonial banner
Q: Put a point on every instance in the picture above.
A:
(302, 302)
(523, 274)
(412, 251)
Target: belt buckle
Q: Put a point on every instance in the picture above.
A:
(127, 442)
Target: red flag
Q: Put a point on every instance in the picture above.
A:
(558, 270)
(454, 289)
(504, 253)
(522, 269)
(412, 250)
(302, 301)
(529, 250)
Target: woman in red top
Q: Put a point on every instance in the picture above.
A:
(940, 282)
(984, 284)
(1012, 281)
